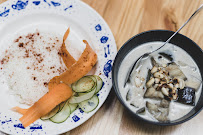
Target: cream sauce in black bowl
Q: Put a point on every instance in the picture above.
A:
(156, 36)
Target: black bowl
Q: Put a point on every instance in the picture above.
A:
(160, 35)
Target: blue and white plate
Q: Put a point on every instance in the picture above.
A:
(56, 16)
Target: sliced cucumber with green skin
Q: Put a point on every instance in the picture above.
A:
(73, 107)
(82, 97)
(99, 83)
(62, 115)
(89, 105)
(84, 84)
(51, 114)
(93, 78)
(61, 105)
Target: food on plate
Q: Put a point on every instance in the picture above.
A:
(19, 110)
(66, 56)
(164, 86)
(29, 62)
(45, 104)
(85, 63)
(67, 90)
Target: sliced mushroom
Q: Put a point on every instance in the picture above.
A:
(141, 111)
(186, 96)
(167, 56)
(134, 105)
(148, 75)
(154, 63)
(129, 95)
(164, 103)
(193, 84)
(174, 71)
(157, 111)
(152, 93)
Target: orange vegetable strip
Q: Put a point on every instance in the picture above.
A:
(45, 104)
(67, 58)
(19, 110)
(53, 82)
(85, 63)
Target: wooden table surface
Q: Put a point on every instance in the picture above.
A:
(127, 18)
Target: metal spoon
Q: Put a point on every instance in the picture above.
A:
(127, 79)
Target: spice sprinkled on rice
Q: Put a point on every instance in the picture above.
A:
(29, 63)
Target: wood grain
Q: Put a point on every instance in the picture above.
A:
(127, 18)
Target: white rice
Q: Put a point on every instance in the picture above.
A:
(27, 76)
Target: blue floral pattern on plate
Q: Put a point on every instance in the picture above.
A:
(104, 39)
(75, 118)
(5, 12)
(107, 68)
(36, 2)
(20, 5)
(55, 4)
(98, 27)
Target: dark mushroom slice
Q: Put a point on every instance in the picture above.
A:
(148, 75)
(158, 112)
(141, 111)
(134, 105)
(153, 61)
(165, 103)
(152, 93)
(174, 71)
(129, 95)
(186, 96)
(167, 56)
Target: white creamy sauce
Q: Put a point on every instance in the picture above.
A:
(182, 58)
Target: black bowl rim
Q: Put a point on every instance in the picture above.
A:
(120, 98)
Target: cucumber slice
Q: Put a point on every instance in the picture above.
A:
(62, 115)
(93, 78)
(95, 81)
(84, 84)
(51, 114)
(61, 105)
(99, 83)
(73, 107)
(89, 105)
(82, 97)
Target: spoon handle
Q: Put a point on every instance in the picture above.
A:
(146, 54)
(192, 16)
